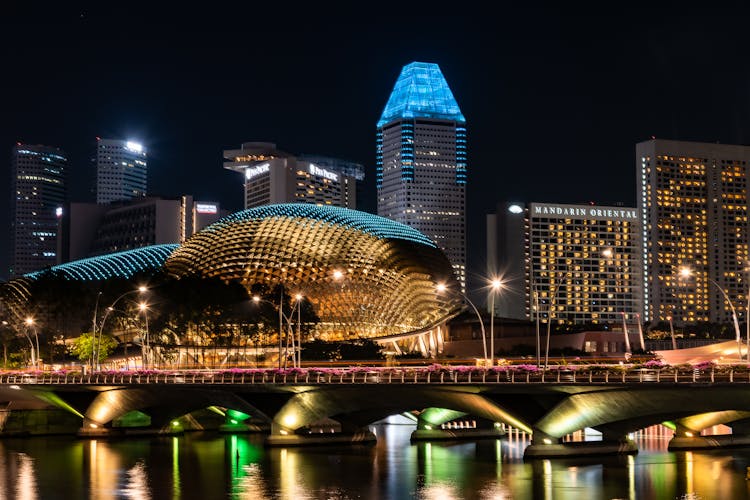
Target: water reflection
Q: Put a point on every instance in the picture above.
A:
(238, 466)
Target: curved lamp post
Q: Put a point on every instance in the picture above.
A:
(29, 321)
(734, 317)
(145, 347)
(98, 336)
(282, 317)
(441, 287)
(552, 303)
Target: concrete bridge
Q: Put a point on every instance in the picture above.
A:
(291, 404)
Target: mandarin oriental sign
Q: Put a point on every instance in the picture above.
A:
(584, 211)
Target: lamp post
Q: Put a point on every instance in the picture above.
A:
(441, 287)
(671, 333)
(553, 300)
(298, 297)
(495, 285)
(145, 347)
(29, 321)
(734, 317)
(98, 336)
(257, 300)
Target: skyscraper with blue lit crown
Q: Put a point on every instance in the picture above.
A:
(421, 160)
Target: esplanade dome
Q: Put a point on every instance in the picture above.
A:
(365, 275)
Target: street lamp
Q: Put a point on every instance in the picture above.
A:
(495, 285)
(552, 303)
(686, 272)
(30, 324)
(145, 348)
(298, 297)
(441, 287)
(257, 300)
(734, 317)
(98, 336)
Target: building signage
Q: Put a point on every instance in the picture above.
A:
(251, 172)
(323, 173)
(206, 208)
(585, 211)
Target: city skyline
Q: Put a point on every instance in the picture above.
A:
(555, 99)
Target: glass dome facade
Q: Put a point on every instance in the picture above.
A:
(366, 276)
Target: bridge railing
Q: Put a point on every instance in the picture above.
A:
(469, 375)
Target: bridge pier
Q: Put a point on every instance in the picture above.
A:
(90, 430)
(545, 446)
(691, 439)
(281, 437)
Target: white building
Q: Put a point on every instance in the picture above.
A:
(421, 160)
(38, 190)
(693, 204)
(272, 176)
(121, 170)
(581, 262)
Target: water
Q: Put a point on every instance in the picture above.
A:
(209, 465)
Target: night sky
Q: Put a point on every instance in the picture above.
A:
(555, 99)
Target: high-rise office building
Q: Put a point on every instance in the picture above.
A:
(38, 191)
(274, 176)
(343, 167)
(693, 203)
(91, 229)
(421, 160)
(581, 262)
(121, 170)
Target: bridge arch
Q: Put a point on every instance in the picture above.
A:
(162, 406)
(355, 407)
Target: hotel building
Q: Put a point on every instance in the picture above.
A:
(693, 205)
(273, 176)
(421, 161)
(38, 191)
(121, 170)
(582, 263)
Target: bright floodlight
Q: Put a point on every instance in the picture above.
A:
(685, 272)
(29, 320)
(142, 289)
(496, 284)
(337, 275)
(515, 209)
(134, 146)
(298, 296)
(607, 252)
(256, 298)
(142, 306)
(441, 287)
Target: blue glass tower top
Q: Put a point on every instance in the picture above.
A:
(421, 91)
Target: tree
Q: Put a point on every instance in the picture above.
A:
(84, 347)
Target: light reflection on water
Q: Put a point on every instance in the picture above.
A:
(238, 466)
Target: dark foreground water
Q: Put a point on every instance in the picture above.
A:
(207, 466)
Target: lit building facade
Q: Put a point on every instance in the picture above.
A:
(693, 203)
(421, 161)
(581, 262)
(272, 176)
(38, 191)
(121, 170)
(91, 229)
(366, 276)
(343, 167)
